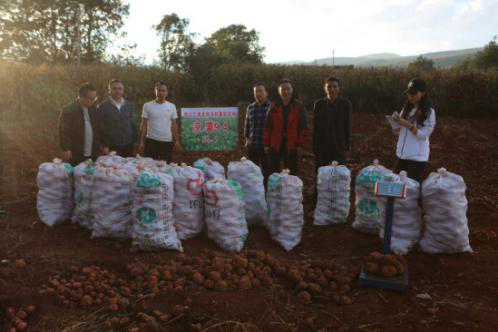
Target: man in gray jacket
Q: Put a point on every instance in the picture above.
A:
(119, 130)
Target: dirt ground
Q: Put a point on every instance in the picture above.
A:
(463, 288)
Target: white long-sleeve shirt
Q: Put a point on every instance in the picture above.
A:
(416, 146)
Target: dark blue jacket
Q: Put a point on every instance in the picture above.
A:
(118, 126)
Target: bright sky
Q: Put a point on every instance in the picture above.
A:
(309, 29)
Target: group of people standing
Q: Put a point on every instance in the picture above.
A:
(87, 130)
(275, 132)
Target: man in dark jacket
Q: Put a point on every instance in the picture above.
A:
(79, 127)
(285, 130)
(331, 126)
(119, 130)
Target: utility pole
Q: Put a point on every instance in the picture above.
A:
(333, 58)
(79, 13)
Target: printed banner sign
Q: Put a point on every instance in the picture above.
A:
(210, 129)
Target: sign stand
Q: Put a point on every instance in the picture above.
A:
(391, 190)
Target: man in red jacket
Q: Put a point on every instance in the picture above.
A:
(285, 130)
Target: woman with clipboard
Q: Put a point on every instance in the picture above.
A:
(416, 123)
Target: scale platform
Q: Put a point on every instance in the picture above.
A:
(399, 283)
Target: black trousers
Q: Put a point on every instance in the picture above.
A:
(158, 150)
(258, 156)
(289, 159)
(414, 169)
(122, 150)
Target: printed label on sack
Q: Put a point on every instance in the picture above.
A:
(213, 214)
(199, 164)
(370, 176)
(90, 169)
(146, 215)
(368, 207)
(196, 204)
(148, 180)
(237, 188)
(274, 180)
(68, 168)
(210, 197)
(194, 186)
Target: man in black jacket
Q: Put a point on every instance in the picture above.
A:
(79, 127)
(119, 130)
(331, 126)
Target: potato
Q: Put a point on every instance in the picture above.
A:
(400, 268)
(198, 278)
(221, 286)
(20, 263)
(11, 312)
(240, 262)
(388, 271)
(372, 268)
(21, 325)
(245, 283)
(214, 275)
(30, 308)
(389, 260)
(255, 282)
(167, 275)
(315, 288)
(209, 284)
(304, 296)
(346, 300)
(333, 285)
(124, 321)
(322, 281)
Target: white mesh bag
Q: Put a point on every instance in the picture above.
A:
(333, 186)
(224, 211)
(188, 205)
(445, 207)
(370, 209)
(407, 217)
(54, 201)
(249, 175)
(210, 168)
(152, 211)
(285, 209)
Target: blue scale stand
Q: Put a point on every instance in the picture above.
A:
(391, 190)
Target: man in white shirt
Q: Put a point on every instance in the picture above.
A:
(159, 129)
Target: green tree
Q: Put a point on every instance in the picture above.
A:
(176, 43)
(484, 59)
(487, 57)
(37, 31)
(421, 63)
(235, 43)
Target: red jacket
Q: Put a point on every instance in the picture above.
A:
(297, 131)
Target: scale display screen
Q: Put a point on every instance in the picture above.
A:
(390, 189)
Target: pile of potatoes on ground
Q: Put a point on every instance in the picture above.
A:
(18, 318)
(209, 271)
(387, 266)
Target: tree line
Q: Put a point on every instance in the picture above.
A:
(43, 31)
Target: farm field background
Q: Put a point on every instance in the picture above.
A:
(463, 288)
